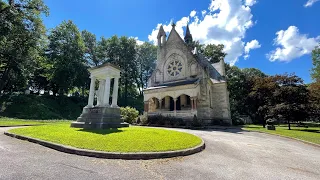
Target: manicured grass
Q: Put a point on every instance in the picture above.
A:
(132, 139)
(311, 134)
(21, 122)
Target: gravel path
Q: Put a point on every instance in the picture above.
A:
(229, 154)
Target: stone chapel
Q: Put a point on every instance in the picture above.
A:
(184, 83)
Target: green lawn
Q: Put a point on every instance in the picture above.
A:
(132, 139)
(311, 134)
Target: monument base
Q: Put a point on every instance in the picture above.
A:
(99, 118)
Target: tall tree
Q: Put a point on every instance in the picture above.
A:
(21, 39)
(316, 64)
(240, 83)
(90, 42)
(122, 52)
(127, 61)
(214, 52)
(66, 54)
(290, 99)
(146, 61)
(283, 97)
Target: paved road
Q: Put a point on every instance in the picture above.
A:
(228, 155)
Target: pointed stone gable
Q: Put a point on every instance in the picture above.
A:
(174, 37)
(161, 32)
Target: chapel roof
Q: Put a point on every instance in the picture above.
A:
(173, 84)
(205, 64)
(180, 83)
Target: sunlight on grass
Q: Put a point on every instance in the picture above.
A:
(132, 139)
(311, 134)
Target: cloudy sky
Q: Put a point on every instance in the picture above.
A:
(276, 36)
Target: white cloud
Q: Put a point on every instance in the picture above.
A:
(254, 44)
(292, 45)
(193, 13)
(310, 3)
(204, 12)
(226, 23)
(138, 41)
(250, 2)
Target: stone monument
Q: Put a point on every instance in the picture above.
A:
(102, 115)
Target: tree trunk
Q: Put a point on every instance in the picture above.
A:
(82, 91)
(264, 123)
(289, 125)
(126, 91)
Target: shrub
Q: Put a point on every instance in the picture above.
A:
(143, 120)
(196, 122)
(237, 120)
(169, 121)
(129, 114)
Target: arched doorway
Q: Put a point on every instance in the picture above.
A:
(184, 102)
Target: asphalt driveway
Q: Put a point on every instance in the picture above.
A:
(229, 154)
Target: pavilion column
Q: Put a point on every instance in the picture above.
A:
(175, 106)
(115, 92)
(101, 92)
(91, 92)
(106, 92)
(195, 103)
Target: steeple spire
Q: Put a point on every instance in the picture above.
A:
(188, 37)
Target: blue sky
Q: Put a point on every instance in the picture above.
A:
(275, 36)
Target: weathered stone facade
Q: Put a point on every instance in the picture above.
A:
(185, 84)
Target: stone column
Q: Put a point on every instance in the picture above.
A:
(192, 105)
(101, 92)
(195, 103)
(91, 92)
(106, 92)
(160, 104)
(146, 106)
(115, 92)
(175, 106)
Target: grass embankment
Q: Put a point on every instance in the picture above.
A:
(132, 139)
(22, 122)
(41, 107)
(311, 134)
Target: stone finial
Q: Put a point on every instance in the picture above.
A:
(173, 25)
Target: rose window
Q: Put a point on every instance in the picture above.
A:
(174, 68)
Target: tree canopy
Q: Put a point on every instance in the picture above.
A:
(57, 60)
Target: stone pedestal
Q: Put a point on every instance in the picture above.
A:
(270, 127)
(99, 118)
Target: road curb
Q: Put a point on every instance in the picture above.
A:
(292, 138)
(112, 155)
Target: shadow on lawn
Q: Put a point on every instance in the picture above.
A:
(237, 130)
(309, 130)
(102, 131)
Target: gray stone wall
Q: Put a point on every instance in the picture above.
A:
(213, 98)
(175, 45)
